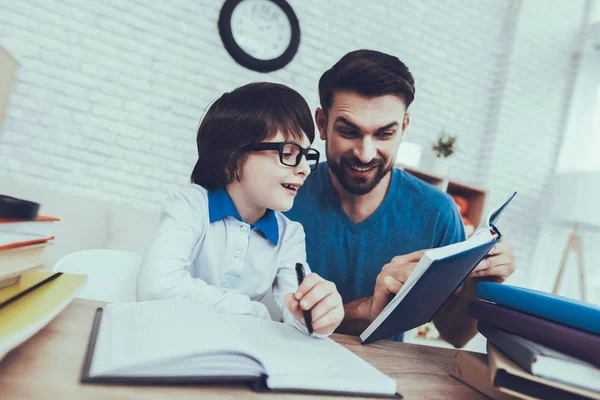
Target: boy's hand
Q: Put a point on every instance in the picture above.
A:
(322, 299)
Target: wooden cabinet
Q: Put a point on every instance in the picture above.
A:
(475, 197)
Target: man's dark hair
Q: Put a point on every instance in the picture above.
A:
(369, 73)
(249, 114)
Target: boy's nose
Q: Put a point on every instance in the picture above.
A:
(303, 167)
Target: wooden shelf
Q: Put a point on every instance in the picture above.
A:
(475, 196)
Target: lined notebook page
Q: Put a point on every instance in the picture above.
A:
(138, 335)
(294, 360)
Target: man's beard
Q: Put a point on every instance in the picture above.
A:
(358, 185)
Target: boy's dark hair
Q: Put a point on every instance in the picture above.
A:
(248, 114)
(369, 73)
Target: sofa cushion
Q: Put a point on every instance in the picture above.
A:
(131, 229)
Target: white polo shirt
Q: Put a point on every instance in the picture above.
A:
(203, 251)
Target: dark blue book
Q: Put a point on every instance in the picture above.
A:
(562, 310)
(435, 277)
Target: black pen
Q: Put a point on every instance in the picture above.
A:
(307, 316)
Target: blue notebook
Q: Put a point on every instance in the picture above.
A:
(435, 277)
(562, 310)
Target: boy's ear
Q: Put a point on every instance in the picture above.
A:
(321, 122)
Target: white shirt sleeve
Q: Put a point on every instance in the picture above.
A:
(293, 249)
(164, 272)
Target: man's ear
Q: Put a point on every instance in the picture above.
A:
(321, 121)
(405, 122)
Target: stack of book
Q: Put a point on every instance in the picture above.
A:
(22, 243)
(29, 299)
(540, 345)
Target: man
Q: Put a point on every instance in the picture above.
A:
(367, 223)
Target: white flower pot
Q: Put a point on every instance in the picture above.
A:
(441, 166)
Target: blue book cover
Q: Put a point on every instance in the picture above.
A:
(435, 277)
(569, 312)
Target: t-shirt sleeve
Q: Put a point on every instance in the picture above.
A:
(449, 226)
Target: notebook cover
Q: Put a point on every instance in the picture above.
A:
(40, 218)
(24, 317)
(573, 342)
(28, 282)
(574, 313)
(511, 379)
(255, 383)
(430, 292)
(25, 241)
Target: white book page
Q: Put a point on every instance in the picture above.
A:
(294, 360)
(576, 373)
(210, 365)
(476, 239)
(159, 333)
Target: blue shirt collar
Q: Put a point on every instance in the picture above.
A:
(221, 206)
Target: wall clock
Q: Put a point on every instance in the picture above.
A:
(262, 35)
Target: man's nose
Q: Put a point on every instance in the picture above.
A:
(365, 151)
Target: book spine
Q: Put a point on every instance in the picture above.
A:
(506, 343)
(576, 343)
(543, 306)
(472, 369)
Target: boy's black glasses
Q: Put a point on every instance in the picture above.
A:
(290, 153)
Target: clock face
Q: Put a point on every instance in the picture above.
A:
(261, 29)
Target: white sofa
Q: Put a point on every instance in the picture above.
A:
(86, 223)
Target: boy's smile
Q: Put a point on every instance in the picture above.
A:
(292, 188)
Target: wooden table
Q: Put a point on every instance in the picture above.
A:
(48, 366)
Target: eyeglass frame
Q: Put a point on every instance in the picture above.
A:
(279, 146)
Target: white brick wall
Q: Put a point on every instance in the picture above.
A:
(533, 96)
(110, 93)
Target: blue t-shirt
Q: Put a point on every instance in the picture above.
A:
(413, 216)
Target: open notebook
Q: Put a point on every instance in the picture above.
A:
(436, 276)
(178, 341)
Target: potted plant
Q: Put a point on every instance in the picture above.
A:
(443, 148)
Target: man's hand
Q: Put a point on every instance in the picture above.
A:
(498, 265)
(453, 321)
(391, 279)
(322, 299)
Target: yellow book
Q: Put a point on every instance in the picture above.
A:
(24, 317)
